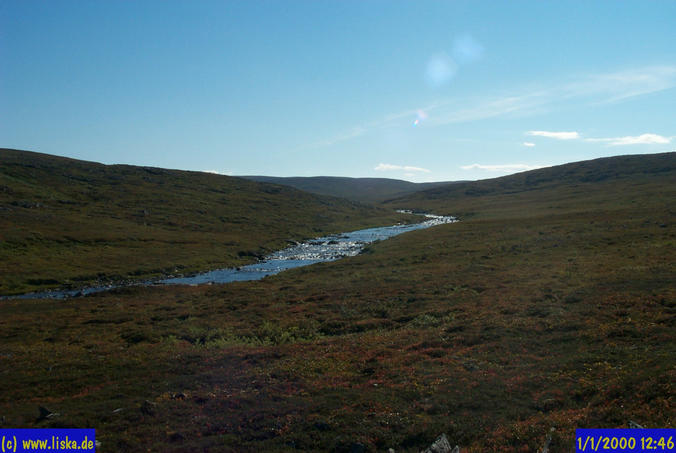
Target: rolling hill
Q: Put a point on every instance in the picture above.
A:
(607, 183)
(367, 190)
(550, 307)
(66, 221)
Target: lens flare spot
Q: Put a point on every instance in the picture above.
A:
(440, 70)
(466, 49)
(420, 116)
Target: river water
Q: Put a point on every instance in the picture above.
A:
(328, 248)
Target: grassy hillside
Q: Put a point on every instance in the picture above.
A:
(546, 308)
(608, 183)
(66, 221)
(367, 190)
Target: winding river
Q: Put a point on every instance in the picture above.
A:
(328, 248)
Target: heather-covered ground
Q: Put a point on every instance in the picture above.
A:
(66, 222)
(548, 308)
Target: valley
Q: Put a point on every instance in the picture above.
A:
(551, 304)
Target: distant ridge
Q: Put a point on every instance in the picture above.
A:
(597, 179)
(368, 190)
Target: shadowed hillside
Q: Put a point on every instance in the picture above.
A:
(369, 190)
(70, 221)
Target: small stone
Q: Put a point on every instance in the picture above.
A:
(46, 413)
(441, 445)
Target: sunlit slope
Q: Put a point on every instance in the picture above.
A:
(605, 184)
(70, 221)
(368, 190)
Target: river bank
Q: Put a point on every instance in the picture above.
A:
(327, 248)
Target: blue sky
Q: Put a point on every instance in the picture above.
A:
(417, 90)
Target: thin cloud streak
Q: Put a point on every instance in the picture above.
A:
(407, 168)
(556, 135)
(501, 167)
(483, 110)
(589, 89)
(621, 85)
(643, 139)
(363, 129)
(348, 135)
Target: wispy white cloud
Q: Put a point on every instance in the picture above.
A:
(534, 99)
(556, 135)
(362, 129)
(620, 85)
(643, 139)
(501, 167)
(446, 113)
(344, 136)
(406, 168)
(528, 144)
(530, 100)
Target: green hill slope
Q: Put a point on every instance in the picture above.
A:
(368, 190)
(73, 222)
(608, 183)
